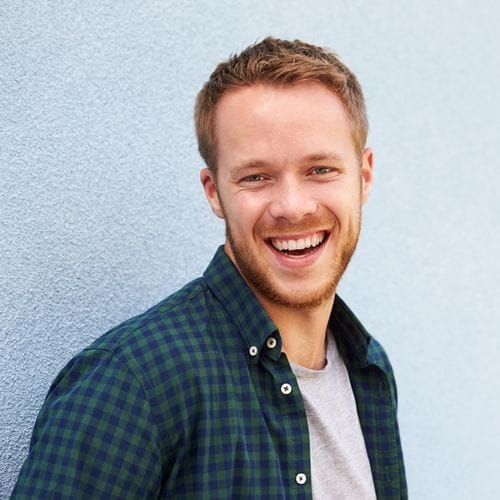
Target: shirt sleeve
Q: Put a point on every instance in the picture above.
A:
(95, 436)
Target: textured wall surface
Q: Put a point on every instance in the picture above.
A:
(102, 214)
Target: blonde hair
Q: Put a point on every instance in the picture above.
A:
(283, 63)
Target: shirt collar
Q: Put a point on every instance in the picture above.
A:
(352, 339)
(357, 347)
(227, 284)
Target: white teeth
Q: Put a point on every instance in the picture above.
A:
(300, 244)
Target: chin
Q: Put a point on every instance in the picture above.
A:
(296, 300)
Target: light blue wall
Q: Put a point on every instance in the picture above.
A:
(102, 215)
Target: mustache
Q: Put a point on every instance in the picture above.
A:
(309, 224)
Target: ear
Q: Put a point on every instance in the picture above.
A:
(207, 179)
(367, 160)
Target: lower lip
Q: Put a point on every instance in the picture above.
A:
(298, 261)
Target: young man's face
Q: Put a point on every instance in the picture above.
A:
(289, 186)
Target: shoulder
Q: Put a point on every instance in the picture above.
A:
(169, 346)
(377, 356)
(164, 332)
(151, 346)
(153, 364)
(166, 346)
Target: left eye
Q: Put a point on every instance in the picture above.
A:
(320, 170)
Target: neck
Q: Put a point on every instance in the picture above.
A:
(303, 332)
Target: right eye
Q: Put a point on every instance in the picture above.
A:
(253, 178)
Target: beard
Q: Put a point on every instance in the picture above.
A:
(262, 280)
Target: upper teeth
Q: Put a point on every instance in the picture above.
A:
(300, 244)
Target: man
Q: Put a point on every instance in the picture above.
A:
(256, 380)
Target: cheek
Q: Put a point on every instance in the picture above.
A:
(248, 209)
(240, 220)
(344, 205)
(347, 196)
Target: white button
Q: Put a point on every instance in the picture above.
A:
(253, 351)
(286, 388)
(301, 478)
(271, 342)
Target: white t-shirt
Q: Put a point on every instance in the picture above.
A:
(339, 462)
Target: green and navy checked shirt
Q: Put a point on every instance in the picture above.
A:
(195, 400)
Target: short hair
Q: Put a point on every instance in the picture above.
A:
(280, 63)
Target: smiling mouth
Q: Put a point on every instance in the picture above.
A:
(298, 247)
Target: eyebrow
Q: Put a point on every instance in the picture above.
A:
(322, 156)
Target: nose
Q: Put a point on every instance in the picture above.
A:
(292, 200)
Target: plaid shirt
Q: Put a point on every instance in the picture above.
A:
(194, 399)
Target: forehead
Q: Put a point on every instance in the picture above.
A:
(265, 120)
(261, 98)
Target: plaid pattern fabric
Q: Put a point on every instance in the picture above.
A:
(191, 401)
